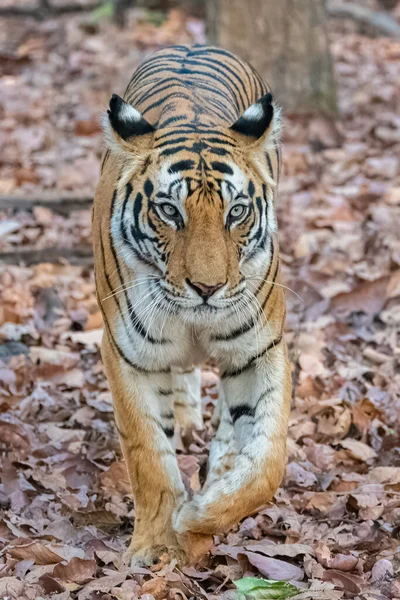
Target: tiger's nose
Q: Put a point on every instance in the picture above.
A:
(203, 290)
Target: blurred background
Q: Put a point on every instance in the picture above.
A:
(334, 66)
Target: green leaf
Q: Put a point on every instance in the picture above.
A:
(264, 589)
(104, 11)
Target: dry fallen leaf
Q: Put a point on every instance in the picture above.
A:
(42, 555)
(77, 570)
(359, 450)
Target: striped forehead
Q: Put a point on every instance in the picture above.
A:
(171, 181)
(233, 175)
(173, 175)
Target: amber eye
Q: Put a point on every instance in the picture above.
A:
(237, 212)
(169, 210)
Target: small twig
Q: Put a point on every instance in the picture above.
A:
(61, 204)
(381, 21)
(79, 255)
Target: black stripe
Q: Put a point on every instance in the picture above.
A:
(165, 392)
(222, 167)
(169, 431)
(246, 410)
(182, 165)
(271, 170)
(175, 150)
(250, 363)
(173, 140)
(241, 410)
(171, 121)
(272, 286)
(174, 95)
(220, 141)
(278, 161)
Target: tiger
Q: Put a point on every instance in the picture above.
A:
(187, 271)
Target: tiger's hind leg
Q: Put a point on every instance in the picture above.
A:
(187, 399)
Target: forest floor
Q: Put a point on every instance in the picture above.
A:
(65, 504)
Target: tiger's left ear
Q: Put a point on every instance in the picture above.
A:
(260, 122)
(125, 128)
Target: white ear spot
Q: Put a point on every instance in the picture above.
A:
(254, 112)
(128, 113)
(123, 124)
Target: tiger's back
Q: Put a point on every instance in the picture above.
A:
(196, 86)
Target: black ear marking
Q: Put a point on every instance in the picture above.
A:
(126, 120)
(256, 119)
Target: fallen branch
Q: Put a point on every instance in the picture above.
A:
(381, 21)
(79, 255)
(61, 204)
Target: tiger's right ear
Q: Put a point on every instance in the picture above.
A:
(125, 128)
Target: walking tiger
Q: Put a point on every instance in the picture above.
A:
(187, 270)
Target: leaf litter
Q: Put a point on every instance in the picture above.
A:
(66, 507)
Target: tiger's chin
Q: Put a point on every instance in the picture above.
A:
(204, 314)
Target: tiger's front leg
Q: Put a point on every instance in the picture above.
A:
(258, 396)
(143, 404)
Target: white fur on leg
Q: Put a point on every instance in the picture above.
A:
(187, 396)
(223, 447)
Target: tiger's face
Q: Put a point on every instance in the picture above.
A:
(199, 220)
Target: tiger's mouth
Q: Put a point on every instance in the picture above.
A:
(216, 304)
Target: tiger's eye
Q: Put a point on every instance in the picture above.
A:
(169, 210)
(237, 211)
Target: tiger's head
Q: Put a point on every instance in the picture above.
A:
(193, 208)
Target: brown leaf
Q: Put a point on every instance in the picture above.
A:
(11, 587)
(288, 550)
(157, 587)
(343, 562)
(14, 439)
(102, 584)
(359, 450)
(50, 362)
(297, 474)
(43, 555)
(349, 582)
(368, 297)
(77, 570)
(50, 585)
(382, 569)
(272, 568)
(386, 475)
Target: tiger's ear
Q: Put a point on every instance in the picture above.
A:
(261, 121)
(125, 128)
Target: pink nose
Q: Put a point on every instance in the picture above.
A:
(203, 290)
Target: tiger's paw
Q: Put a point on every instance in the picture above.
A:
(196, 546)
(154, 557)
